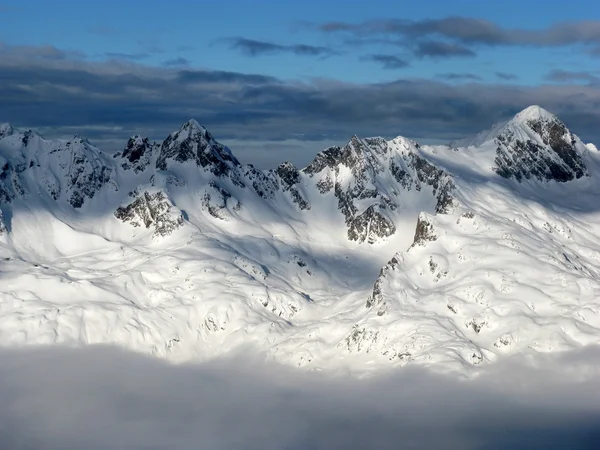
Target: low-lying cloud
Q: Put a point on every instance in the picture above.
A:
(103, 398)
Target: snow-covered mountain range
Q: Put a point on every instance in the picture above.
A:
(377, 254)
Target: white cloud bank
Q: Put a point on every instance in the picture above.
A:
(103, 398)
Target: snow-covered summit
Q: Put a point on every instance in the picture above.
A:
(535, 144)
(72, 170)
(521, 120)
(533, 112)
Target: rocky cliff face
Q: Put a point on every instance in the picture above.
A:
(151, 210)
(537, 145)
(369, 178)
(138, 154)
(194, 143)
(71, 170)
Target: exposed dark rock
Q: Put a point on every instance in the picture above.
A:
(194, 143)
(366, 159)
(264, 184)
(325, 185)
(151, 210)
(555, 159)
(476, 325)
(6, 129)
(137, 153)
(290, 177)
(3, 227)
(330, 157)
(376, 298)
(27, 135)
(370, 226)
(424, 232)
(439, 180)
(7, 179)
(288, 174)
(216, 202)
(360, 338)
(85, 172)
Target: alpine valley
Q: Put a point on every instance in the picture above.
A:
(377, 254)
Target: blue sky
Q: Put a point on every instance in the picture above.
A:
(521, 47)
(157, 31)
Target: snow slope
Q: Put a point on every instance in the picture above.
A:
(377, 254)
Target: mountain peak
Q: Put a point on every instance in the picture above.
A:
(192, 130)
(6, 129)
(194, 142)
(534, 112)
(536, 144)
(193, 125)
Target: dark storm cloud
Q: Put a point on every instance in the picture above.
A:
(251, 47)
(439, 49)
(46, 89)
(99, 398)
(473, 31)
(388, 61)
(506, 76)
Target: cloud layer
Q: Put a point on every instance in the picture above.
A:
(99, 398)
(60, 92)
(469, 30)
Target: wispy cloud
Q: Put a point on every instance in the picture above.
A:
(390, 62)
(127, 56)
(506, 76)
(459, 76)
(439, 49)
(563, 76)
(251, 47)
(469, 30)
(176, 62)
(456, 37)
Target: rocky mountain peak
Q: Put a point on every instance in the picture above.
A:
(193, 142)
(137, 153)
(519, 121)
(535, 144)
(193, 125)
(358, 155)
(6, 129)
